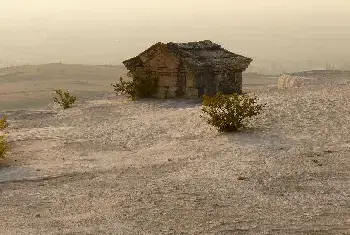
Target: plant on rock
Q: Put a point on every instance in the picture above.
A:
(4, 145)
(228, 112)
(125, 88)
(64, 99)
(3, 123)
(137, 88)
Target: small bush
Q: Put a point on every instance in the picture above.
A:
(64, 99)
(137, 88)
(3, 123)
(4, 146)
(125, 88)
(228, 112)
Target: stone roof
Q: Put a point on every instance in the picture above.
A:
(195, 55)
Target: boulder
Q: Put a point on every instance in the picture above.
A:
(288, 81)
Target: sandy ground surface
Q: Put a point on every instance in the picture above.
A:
(112, 166)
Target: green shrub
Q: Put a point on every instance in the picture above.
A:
(137, 88)
(4, 146)
(228, 112)
(64, 99)
(3, 123)
(125, 88)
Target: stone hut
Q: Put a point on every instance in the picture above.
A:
(190, 69)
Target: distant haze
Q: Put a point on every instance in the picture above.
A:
(277, 34)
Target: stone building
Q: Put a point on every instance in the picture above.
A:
(190, 69)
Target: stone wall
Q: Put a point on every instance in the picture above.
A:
(210, 82)
(176, 80)
(191, 86)
(191, 93)
(166, 92)
(168, 86)
(195, 84)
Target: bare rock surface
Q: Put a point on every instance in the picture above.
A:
(112, 166)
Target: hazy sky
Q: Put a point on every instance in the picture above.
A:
(109, 31)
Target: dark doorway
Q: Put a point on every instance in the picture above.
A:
(181, 84)
(201, 91)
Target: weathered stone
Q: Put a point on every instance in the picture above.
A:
(190, 69)
(288, 81)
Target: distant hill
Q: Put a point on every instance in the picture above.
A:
(30, 86)
(323, 73)
(257, 75)
(56, 70)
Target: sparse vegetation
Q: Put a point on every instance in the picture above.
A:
(137, 88)
(125, 88)
(4, 146)
(3, 123)
(228, 112)
(64, 99)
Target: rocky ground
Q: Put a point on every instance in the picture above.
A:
(112, 166)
